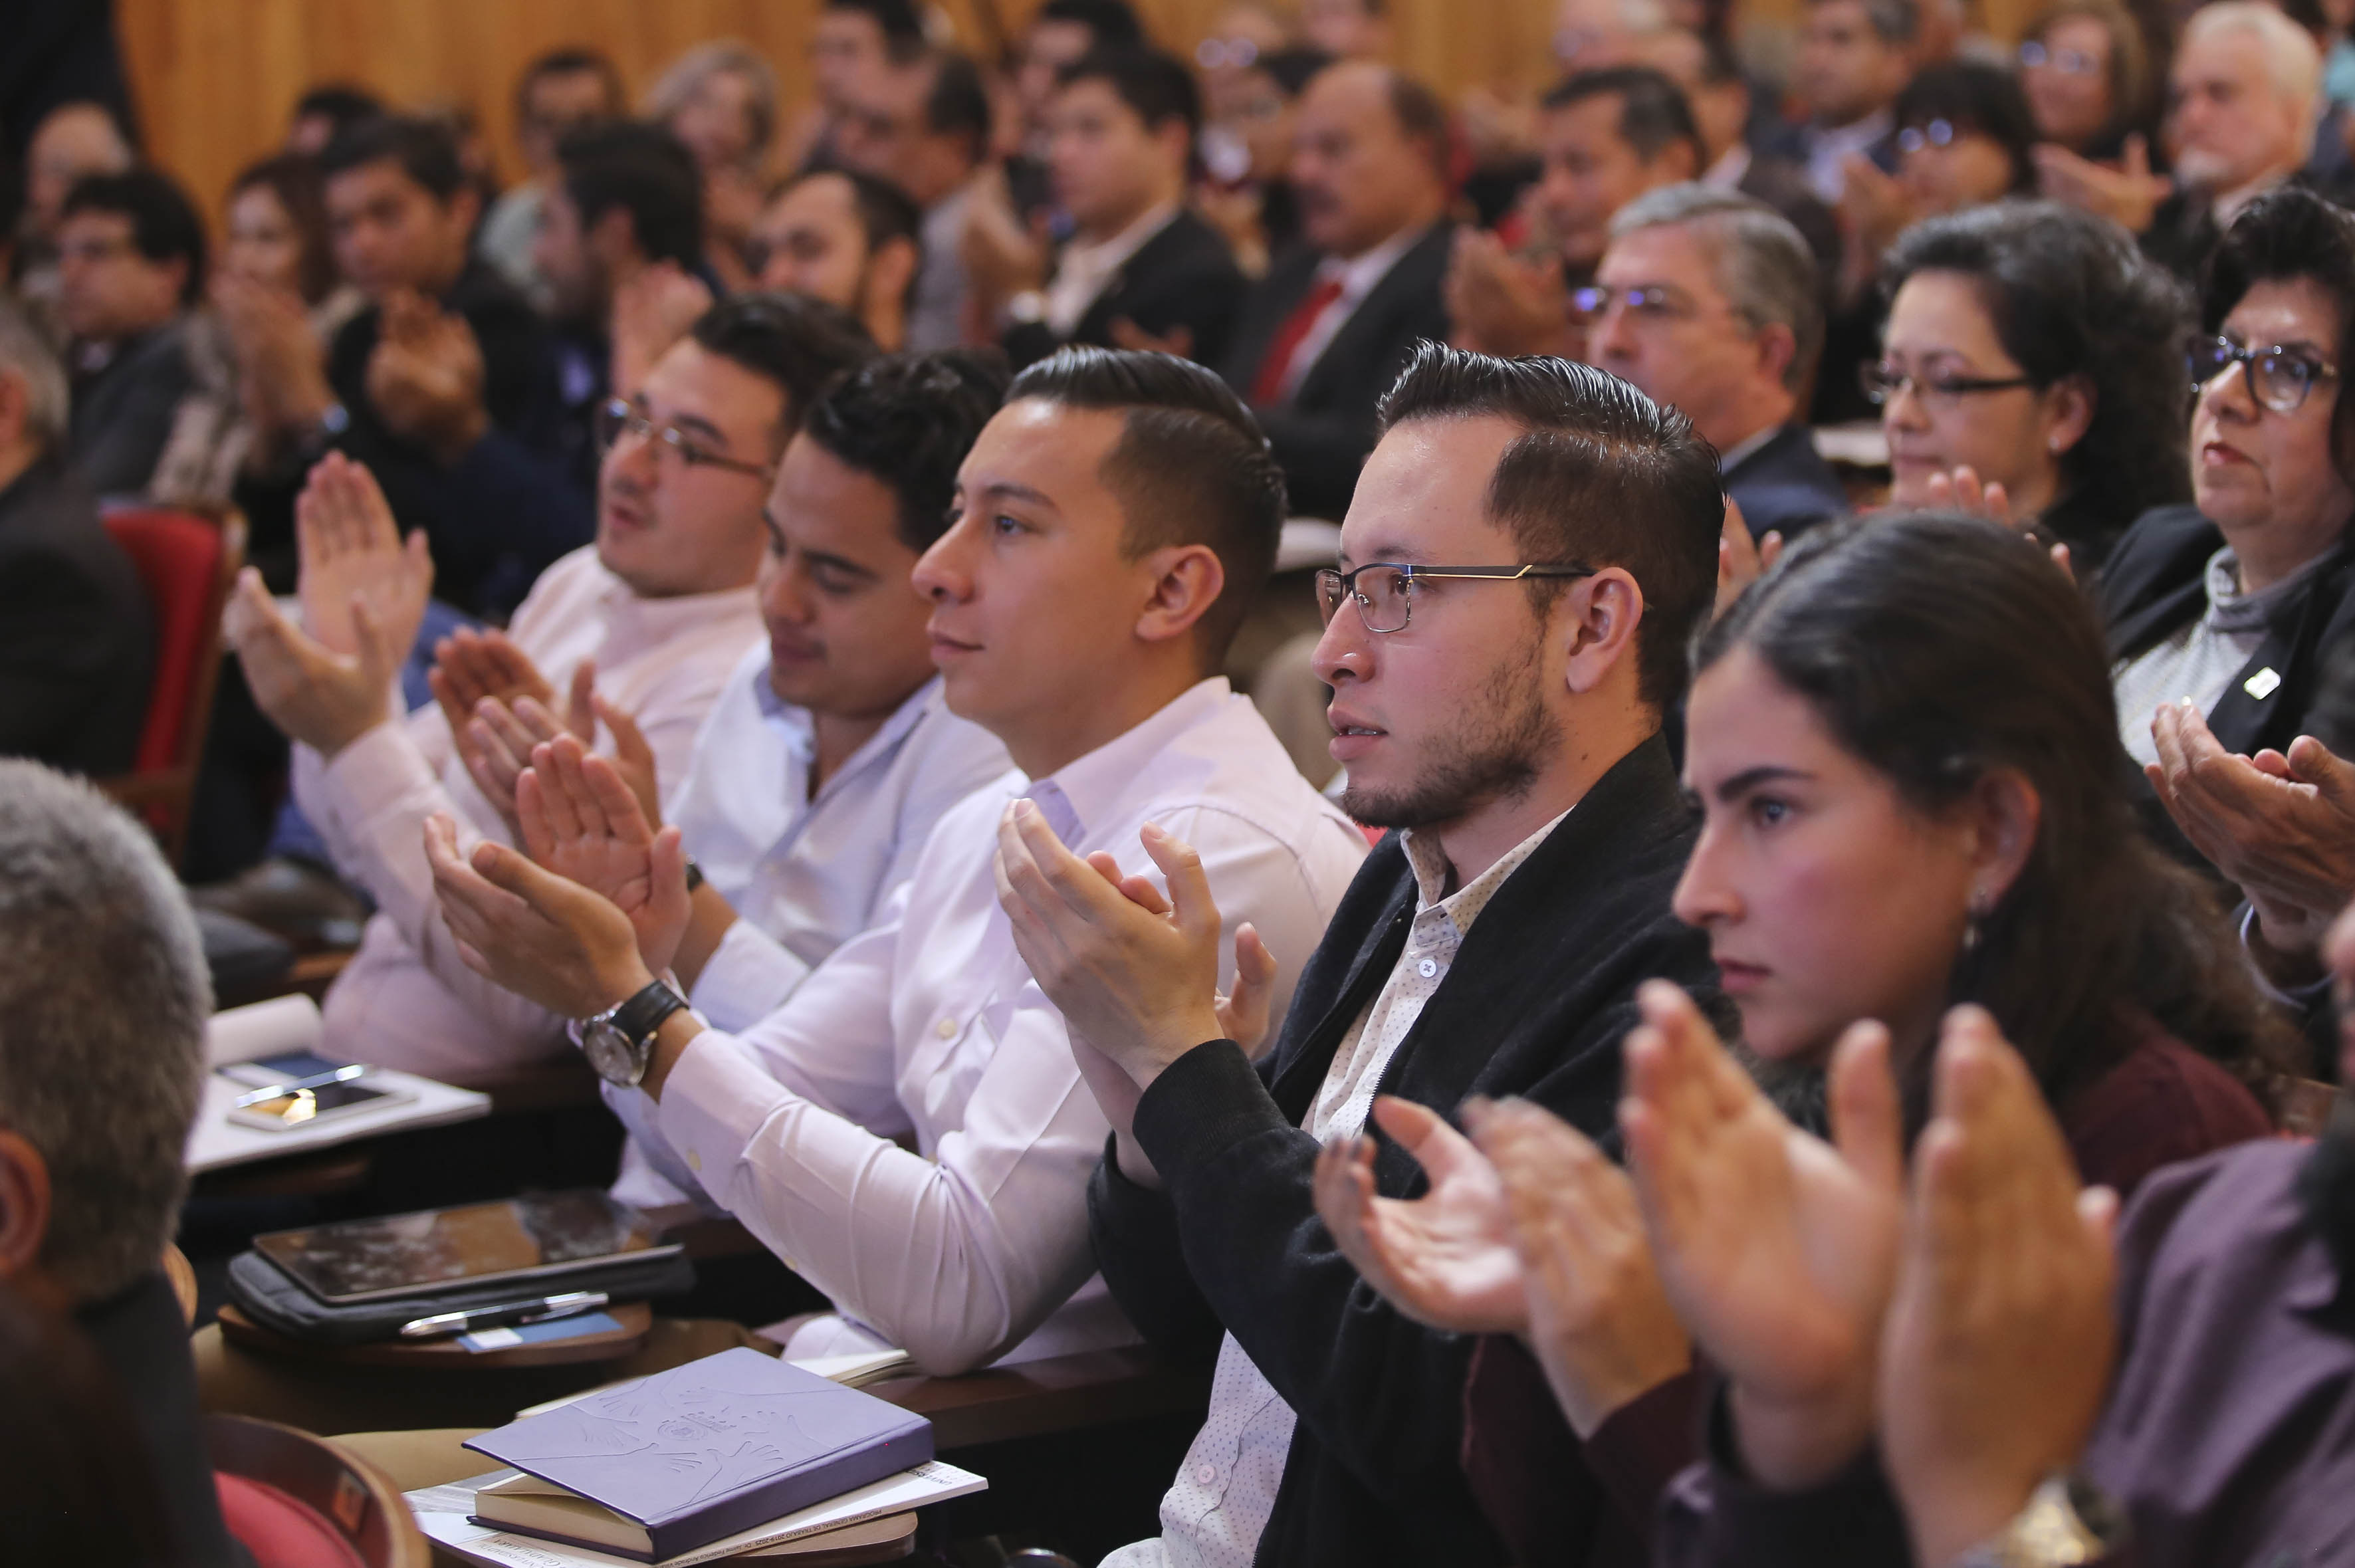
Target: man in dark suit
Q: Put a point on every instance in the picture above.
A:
(1514, 740)
(131, 262)
(77, 638)
(447, 357)
(1140, 269)
(1334, 321)
(1725, 107)
(1708, 301)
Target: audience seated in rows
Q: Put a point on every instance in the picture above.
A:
(1855, 57)
(721, 100)
(2029, 348)
(131, 263)
(1512, 736)
(1332, 324)
(657, 612)
(77, 633)
(102, 953)
(1709, 302)
(849, 238)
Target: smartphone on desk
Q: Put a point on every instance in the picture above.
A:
(314, 1089)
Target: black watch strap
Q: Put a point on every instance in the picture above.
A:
(638, 1017)
(694, 875)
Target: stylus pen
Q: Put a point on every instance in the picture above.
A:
(541, 1309)
(316, 1080)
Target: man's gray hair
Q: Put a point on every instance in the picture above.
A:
(104, 998)
(26, 356)
(1764, 268)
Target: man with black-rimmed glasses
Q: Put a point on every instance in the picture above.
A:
(1529, 545)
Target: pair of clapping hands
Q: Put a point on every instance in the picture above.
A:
(1963, 1313)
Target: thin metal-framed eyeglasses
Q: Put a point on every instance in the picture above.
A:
(1882, 383)
(1929, 133)
(617, 419)
(1654, 301)
(2280, 377)
(1384, 589)
(2069, 62)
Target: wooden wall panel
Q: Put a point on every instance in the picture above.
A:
(214, 79)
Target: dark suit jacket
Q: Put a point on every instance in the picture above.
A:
(77, 635)
(2154, 582)
(1324, 432)
(144, 1340)
(1182, 276)
(1536, 1004)
(122, 414)
(1785, 486)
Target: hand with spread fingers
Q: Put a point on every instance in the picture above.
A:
(580, 821)
(1741, 561)
(1445, 1259)
(316, 696)
(352, 552)
(425, 376)
(2280, 824)
(546, 939)
(1961, 490)
(1777, 1249)
(499, 706)
(2000, 1339)
(1598, 1316)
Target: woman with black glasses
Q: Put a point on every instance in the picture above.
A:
(2230, 604)
(2033, 345)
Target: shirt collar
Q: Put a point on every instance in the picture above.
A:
(1357, 277)
(1860, 134)
(1105, 255)
(803, 724)
(1741, 451)
(2229, 610)
(1727, 173)
(641, 621)
(1463, 905)
(1083, 789)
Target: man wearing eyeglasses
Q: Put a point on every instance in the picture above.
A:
(657, 612)
(1530, 543)
(1709, 302)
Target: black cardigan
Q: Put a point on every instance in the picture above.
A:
(1536, 1004)
(2156, 582)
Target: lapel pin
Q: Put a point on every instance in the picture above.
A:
(2263, 684)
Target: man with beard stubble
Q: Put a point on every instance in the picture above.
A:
(1529, 547)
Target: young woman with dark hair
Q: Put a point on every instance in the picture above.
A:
(1904, 753)
(2033, 344)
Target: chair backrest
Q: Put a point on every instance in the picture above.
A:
(296, 1501)
(188, 560)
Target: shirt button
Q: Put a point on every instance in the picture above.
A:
(946, 1029)
(1205, 1474)
(694, 1161)
(1427, 968)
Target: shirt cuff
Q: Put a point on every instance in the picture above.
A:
(714, 1105)
(747, 976)
(1201, 1106)
(2301, 999)
(1640, 1447)
(1851, 1518)
(381, 773)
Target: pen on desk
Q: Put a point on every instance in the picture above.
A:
(540, 1309)
(316, 1080)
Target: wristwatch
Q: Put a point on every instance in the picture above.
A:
(620, 1042)
(2067, 1520)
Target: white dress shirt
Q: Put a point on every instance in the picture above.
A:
(1828, 148)
(2200, 657)
(928, 1027)
(1214, 1513)
(1358, 277)
(407, 1000)
(1084, 270)
(805, 873)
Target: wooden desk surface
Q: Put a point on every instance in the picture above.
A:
(1094, 1388)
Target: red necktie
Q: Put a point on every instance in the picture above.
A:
(1267, 387)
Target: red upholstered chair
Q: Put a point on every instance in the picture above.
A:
(298, 1501)
(188, 560)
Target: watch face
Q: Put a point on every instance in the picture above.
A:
(610, 1052)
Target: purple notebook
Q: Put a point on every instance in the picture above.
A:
(715, 1446)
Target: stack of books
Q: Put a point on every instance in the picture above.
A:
(735, 1453)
